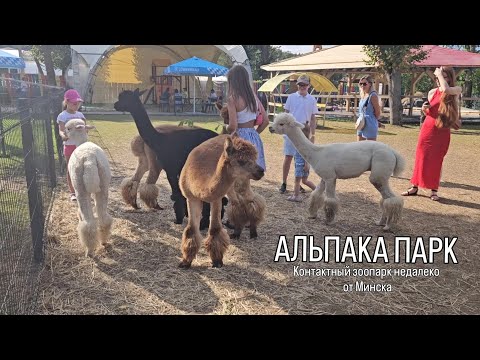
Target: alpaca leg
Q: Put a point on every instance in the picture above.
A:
(390, 204)
(149, 190)
(256, 213)
(129, 186)
(317, 199)
(104, 219)
(177, 197)
(331, 202)
(179, 208)
(87, 228)
(205, 221)
(393, 209)
(237, 216)
(383, 217)
(217, 240)
(224, 204)
(236, 212)
(191, 238)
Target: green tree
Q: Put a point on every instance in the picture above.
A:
(54, 57)
(423, 85)
(393, 59)
(259, 55)
(470, 77)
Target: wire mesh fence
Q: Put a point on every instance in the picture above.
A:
(29, 163)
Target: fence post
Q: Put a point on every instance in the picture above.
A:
(51, 156)
(2, 138)
(59, 142)
(34, 196)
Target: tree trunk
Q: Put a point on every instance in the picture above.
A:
(39, 67)
(47, 55)
(395, 96)
(468, 85)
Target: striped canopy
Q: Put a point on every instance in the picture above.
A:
(11, 61)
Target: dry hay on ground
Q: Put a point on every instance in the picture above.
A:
(138, 274)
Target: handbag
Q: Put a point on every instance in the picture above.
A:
(259, 118)
(360, 123)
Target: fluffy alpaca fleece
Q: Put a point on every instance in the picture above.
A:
(90, 174)
(147, 161)
(171, 145)
(345, 161)
(245, 206)
(209, 174)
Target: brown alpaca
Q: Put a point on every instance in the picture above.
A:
(245, 207)
(147, 161)
(208, 175)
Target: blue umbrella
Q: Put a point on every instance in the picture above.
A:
(11, 61)
(195, 67)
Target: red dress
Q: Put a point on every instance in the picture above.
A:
(431, 149)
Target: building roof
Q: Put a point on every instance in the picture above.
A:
(336, 57)
(439, 55)
(353, 57)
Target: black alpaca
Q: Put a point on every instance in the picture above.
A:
(171, 144)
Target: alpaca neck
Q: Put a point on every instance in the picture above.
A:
(144, 125)
(303, 145)
(222, 178)
(80, 139)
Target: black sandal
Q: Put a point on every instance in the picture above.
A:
(434, 195)
(411, 192)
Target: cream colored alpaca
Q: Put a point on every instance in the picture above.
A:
(90, 173)
(345, 161)
(208, 174)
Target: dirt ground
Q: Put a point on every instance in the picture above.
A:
(138, 274)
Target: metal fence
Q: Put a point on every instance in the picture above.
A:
(29, 163)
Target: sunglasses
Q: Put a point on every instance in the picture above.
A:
(302, 85)
(363, 83)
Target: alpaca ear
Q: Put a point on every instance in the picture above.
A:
(235, 135)
(89, 127)
(297, 124)
(218, 105)
(228, 145)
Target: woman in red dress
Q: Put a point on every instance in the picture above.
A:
(441, 115)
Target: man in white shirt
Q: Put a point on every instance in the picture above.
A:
(303, 107)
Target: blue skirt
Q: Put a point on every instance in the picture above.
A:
(250, 134)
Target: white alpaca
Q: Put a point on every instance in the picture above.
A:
(90, 173)
(345, 161)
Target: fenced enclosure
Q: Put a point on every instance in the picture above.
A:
(29, 161)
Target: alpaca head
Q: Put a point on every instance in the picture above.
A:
(128, 99)
(283, 122)
(76, 130)
(242, 155)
